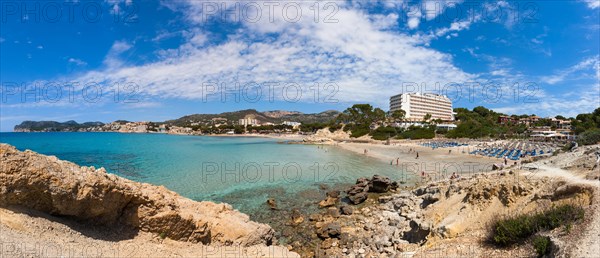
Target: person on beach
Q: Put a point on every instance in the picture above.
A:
(397, 161)
(365, 151)
(505, 161)
(453, 176)
(449, 151)
(417, 155)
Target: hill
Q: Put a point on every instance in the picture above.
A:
(276, 116)
(53, 126)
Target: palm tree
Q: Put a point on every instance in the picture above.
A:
(426, 117)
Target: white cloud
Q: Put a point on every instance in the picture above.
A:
(413, 22)
(367, 63)
(76, 61)
(583, 102)
(112, 59)
(40, 47)
(590, 63)
(115, 5)
(385, 21)
(592, 4)
(414, 18)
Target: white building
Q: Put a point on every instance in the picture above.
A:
(417, 105)
(248, 122)
(294, 125)
(289, 123)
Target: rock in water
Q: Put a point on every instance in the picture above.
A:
(272, 204)
(346, 210)
(380, 184)
(331, 230)
(333, 194)
(358, 198)
(297, 217)
(328, 202)
(44, 183)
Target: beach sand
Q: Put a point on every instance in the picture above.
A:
(438, 163)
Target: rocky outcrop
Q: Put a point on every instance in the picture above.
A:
(46, 184)
(331, 200)
(378, 184)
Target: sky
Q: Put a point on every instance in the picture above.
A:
(159, 60)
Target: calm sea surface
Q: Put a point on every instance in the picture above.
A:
(242, 171)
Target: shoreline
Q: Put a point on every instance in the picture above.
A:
(273, 136)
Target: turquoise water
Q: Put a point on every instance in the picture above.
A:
(242, 171)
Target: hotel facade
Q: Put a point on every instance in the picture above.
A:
(417, 105)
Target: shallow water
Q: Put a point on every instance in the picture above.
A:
(242, 171)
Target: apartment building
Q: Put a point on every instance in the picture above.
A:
(417, 105)
(248, 122)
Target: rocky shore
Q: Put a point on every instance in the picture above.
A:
(92, 196)
(377, 217)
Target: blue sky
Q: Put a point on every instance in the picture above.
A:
(157, 60)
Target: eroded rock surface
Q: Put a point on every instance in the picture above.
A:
(47, 184)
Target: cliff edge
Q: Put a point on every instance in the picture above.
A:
(85, 194)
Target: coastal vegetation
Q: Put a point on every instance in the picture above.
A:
(510, 231)
(358, 120)
(480, 122)
(542, 245)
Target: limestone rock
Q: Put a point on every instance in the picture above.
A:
(46, 184)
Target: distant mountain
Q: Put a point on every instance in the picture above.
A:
(53, 126)
(276, 116)
(280, 113)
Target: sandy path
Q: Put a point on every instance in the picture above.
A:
(589, 244)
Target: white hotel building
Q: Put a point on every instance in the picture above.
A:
(417, 105)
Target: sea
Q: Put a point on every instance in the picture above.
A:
(241, 171)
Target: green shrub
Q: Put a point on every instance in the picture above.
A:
(358, 131)
(589, 137)
(510, 231)
(541, 245)
(383, 133)
(335, 127)
(568, 228)
(415, 132)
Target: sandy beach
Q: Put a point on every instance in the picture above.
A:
(437, 163)
(296, 137)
